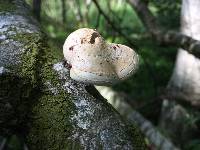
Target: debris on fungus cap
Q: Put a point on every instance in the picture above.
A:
(95, 61)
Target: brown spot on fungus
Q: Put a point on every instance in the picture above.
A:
(82, 41)
(93, 37)
(66, 64)
(71, 48)
(70, 66)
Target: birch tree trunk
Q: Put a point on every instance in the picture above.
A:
(184, 84)
(185, 81)
(38, 99)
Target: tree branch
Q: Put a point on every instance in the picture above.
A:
(39, 100)
(119, 103)
(167, 37)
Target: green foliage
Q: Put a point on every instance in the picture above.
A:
(5, 6)
(193, 145)
(52, 111)
(167, 12)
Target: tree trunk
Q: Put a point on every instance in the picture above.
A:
(37, 8)
(38, 99)
(184, 83)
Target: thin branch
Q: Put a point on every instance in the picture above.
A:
(167, 37)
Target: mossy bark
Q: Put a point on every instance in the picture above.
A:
(39, 100)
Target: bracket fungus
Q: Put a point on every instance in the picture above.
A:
(93, 60)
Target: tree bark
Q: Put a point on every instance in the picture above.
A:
(184, 83)
(156, 139)
(179, 123)
(40, 101)
(37, 8)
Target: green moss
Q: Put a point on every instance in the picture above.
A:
(52, 128)
(17, 87)
(15, 93)
(29, 57)
(50, 125)
(25, 88)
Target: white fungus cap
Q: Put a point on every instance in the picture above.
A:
(95, 61)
